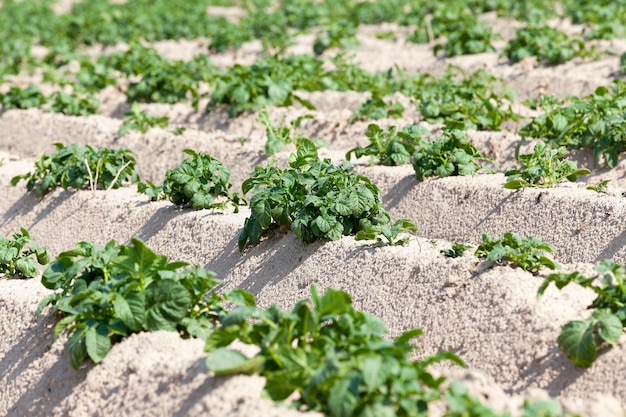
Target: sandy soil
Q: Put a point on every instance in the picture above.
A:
(489, 316)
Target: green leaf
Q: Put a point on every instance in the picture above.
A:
(577, 342)
(342, 400)
(225, 361)
(8, 254)
(27, 267)
(97, 342)
(167, 302)
(610, 327)
(131, 310)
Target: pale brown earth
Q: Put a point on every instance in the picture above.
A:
(489, 316)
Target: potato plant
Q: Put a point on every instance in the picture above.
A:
(594, 122)
(334, 357)
(450, 154)
(201, 182)
(581, 340)
(20, 255)
(104, 294)
(280, 136)
(527, 253)
(544, 167)
(316, 200)
(79, 167)
(390, 147)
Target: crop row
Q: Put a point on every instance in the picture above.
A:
(335, 23)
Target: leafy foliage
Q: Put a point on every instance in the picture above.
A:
(161, 80)
(595, 122)
(281, 136)
(135, 119)
(527, 253)
(457, 250)
(314, 198)
(600, 187)
(16, 255)
(23, 98)
(472, 99)
(77, 167)
(389, 147)
(333, 356)
(466, 35)
(107, 293)
(377, 108)
(581, 340)
(450, 154)
(544, 167)
(546, 43)
(201, 182)
(73, 104)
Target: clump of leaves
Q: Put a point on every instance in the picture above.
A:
(334, 357)
(315, 198)
(282, 135)
(376, 108)
(268, 82)
(599, 187)
(595, 122)
(388, 232)
(546, 43)
(467, 35)
(73, 104)
(450, 154)
(527, 253)
(202, 182)
(16, 255)
(136, 119)
(390, 147)
(544, 167)
(339, 34)
(457, 250)
(581, 340)
(107, 293)
(161, 80)
(77, 167)
(23, 98)
(478, 100)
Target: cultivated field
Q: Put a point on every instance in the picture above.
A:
(487, 313)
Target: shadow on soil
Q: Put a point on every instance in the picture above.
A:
(552, 363)
(618, 243)
(49, 389)
(46, 205)
(269, 263)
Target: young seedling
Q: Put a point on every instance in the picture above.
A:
(451, 154)
(135, 119)
(527, 253)
(594, 122)
(201, 181)
(20, 255)
(599, 187)
(281, 136)
(107, 293)
(544, 167)
(335, 358)
(457, 250)
(316, 200)
(581, 340)
(546, 43)
(78, 167)
(389, 147)
(377, 108)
